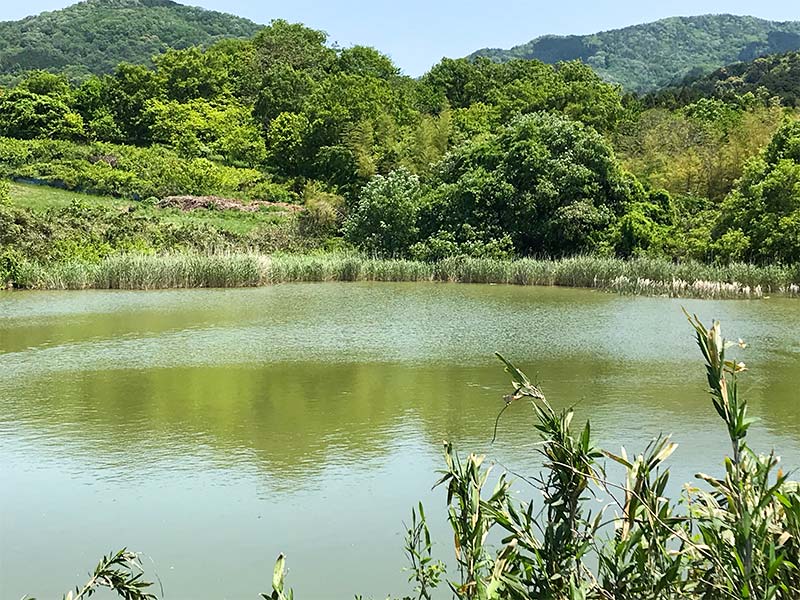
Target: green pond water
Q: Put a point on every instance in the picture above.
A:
(213, 429)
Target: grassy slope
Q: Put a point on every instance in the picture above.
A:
(37, 197)
(41, 198)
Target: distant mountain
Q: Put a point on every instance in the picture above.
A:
(94, 36)
(646, 57)
(778, 74)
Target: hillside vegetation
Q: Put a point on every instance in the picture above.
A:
(92, 37)
(646, 57)
(476, 159)
(776, 75)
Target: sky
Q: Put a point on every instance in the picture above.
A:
(418, 33)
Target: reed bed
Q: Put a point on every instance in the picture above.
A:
(147, 272)
(649, 277)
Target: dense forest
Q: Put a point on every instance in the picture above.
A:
(643, 58)
(776, 75)
(476, 158)
(94, 36)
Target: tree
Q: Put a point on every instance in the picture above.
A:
(284, 89)
(384, 220)
(363, 60)
(202, 128)
(549, 182)
(238, 59)
(520, 87)
(27, 115)
(125, 95)
(462, 81)
(43, 83)
(700, 150)
(286, 142)
(293, 44)
(191, 74)
(760, 220)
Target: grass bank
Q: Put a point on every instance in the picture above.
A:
(41, 198)
(647, 277)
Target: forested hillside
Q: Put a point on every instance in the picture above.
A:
(474, 159)
(96, 35)
(775, 75)
(645, 57)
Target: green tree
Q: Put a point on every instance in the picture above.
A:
(202, 128)
(293, 44)
(125, 95)
(43, 83)
(27, 115)
(286, 142)
(520, 87)
(363, 60)
(238, 59)
(760, 220)
(284, 89)
(384, 220)
(550, 183)
(191, 74)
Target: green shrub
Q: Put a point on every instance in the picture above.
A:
(129, 171)
(10, 266)
(384, 220)
(468, 243)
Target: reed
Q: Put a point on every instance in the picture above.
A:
(144, 272)
(648, 277)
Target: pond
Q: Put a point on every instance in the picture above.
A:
(213, 429)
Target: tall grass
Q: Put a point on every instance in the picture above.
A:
(143, 272)
(639, 276)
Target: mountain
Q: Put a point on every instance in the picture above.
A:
(646, 57)
(94, 36)
(778, 74)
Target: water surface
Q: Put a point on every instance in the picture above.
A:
(213, 429)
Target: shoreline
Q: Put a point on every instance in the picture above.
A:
(642, 276)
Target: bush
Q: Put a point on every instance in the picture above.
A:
(468, 243)
(10, 265)
(322, 215)
(129, 171)
(384, 220)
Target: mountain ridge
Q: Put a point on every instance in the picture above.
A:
(648, 56)
(93, 36)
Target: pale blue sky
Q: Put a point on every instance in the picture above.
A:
(417, 33)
